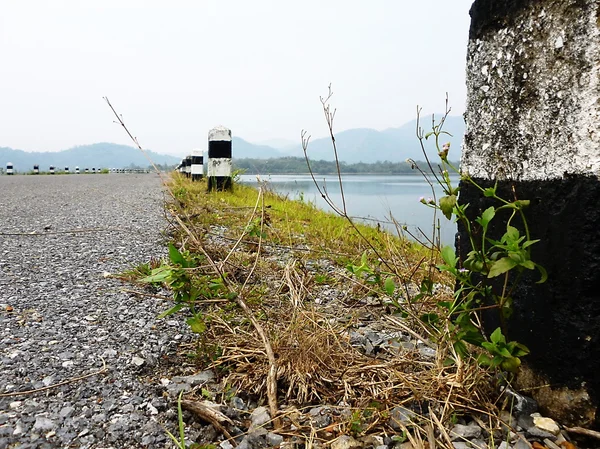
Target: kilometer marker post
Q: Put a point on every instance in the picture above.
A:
(219, 159)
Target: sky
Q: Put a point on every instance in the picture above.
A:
(176, 69)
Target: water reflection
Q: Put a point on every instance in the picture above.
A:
(371, 197)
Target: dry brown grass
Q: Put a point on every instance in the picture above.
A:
(289, 268)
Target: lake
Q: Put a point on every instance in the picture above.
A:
(372, 198)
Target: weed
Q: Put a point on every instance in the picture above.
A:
(488, 258)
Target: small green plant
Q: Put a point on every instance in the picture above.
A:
(179, 442)
(254, 229)
(488, 258)
(187, 288)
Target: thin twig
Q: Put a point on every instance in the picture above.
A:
(65, 382)
(583, 431)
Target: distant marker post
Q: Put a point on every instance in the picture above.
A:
(219, 159)
(197, 165)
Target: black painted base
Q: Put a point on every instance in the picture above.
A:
(559, 320)
(219, 183)
(196, 177)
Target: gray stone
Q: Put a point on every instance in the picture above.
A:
(42, 423)
(273, 439)
(534, 432)
(259, 417)
(525, 421)
(400, 415)
(521, 405)
(225, 444)
(461, 432)
(521, 443)
(320, 417)
(345, 442)
(238, 403)
(138, 361)
(478, 444)
(460, 445)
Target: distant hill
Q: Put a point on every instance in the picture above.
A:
(107, 155)
(392, 144)
(354, 146)
(244, 149)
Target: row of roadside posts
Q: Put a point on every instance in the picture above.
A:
(218, 166)
(52, 170)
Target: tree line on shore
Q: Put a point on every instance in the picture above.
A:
(297, 165)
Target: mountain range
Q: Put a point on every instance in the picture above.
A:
(353, 145)
(98, 155)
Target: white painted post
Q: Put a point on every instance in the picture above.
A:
(76, 170)
(9, 168)
(197, 165)
(36, 169)
(87, 170)
(67, 170)
(51, 169)
(94, 170)
(532, 115)
(219, 159)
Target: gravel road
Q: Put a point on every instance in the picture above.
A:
(60, 317)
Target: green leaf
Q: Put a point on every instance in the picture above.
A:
(528, 264)
(389, 286)
(197, 324)
(543, 273)
(522, 204)
(176, 257)
(447, 204)
(487, 216)
(430, 318)
(159, 275)
(501, 266)
(497, 337)
(511, 364)
(484, 360)
(176, 308)
(489, 192)
(512, 233)
(521, 350)
(449, 256)
(528, 243)
(461, 348)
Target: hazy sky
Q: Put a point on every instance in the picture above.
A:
(176, 69)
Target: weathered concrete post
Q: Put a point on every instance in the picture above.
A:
(533, 124)
(219, 159)
(197, 165)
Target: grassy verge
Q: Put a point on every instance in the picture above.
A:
(282, 294)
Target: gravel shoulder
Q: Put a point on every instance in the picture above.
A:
(61, 317)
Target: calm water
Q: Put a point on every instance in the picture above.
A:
(369, 196)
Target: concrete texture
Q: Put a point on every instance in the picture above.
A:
(533, 116)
